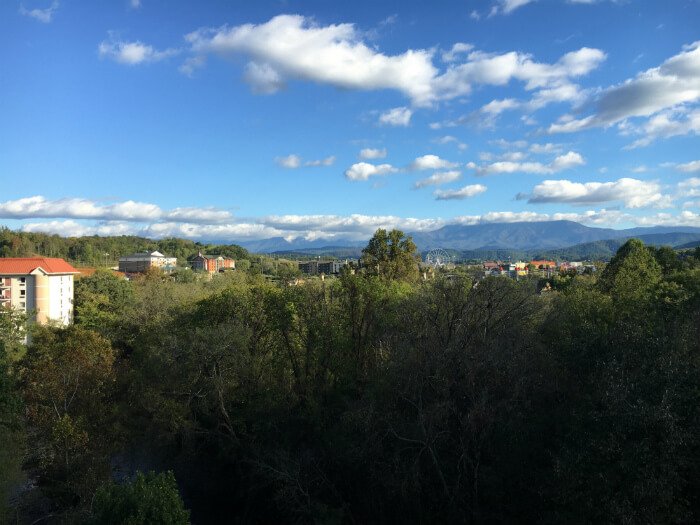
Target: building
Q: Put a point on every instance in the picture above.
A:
(317, 267)
(212, 263)
(142, 262)
(329, 267)
(309, 267)
(40, 286)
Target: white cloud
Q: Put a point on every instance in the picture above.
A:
(372, 153)
(459, 194)
(506, 7)
(496, 107)
(494, 69)
(545, 148)
(132, 53)
(42, 15)
(290, 161)
(75, 208)
(437, 178)
(691, 166)
(432, 162)
(448, 139)
(675, 82)
(357, 227)
(328, 161)
(296, 48)
(667, 124)
(396, 117)
(135, 4)
(263, 79)
(458, 49)
(365, 170)
(633, 193)
(562, 162)
(295, 161)
(689, 187)
(192, 64)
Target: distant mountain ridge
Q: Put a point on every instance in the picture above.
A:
(547, 235)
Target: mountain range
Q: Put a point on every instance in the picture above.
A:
(491, 237)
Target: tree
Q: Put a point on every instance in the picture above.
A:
(632, 274)
(67, 378)
(150, 499)
(391, 256)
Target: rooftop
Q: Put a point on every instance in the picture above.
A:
(26, 265)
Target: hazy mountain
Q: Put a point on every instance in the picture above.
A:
(547, 235)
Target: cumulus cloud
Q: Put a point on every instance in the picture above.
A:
(76, 208)
(372, 153)
(290, 161)
(356, 226)
(689, 187)
(633, 193)
(459, 194)
(328, 161)
(42, 15)
(676, 81)
(365, 170)
(667, 124)
(132, 53)
(691, 166)
(432, 162)
(498, 70)
(437, 178)
(295, 47)
(396, 117)
(135, 4)
(458, 49)
(560, 163)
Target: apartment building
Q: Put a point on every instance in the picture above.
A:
(143, 261)
(212, 263)
(40, 286)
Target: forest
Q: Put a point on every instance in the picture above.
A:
(103, 251)
(376, 397)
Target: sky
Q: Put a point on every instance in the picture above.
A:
(228, 120)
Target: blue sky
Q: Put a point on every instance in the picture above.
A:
(243, 120)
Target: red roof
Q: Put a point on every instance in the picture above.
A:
(26, 265)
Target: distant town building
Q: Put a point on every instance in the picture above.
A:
(543, 265)
(40, 286)
(212, 263)
(321, 267)
(309, 267)
(142, 262)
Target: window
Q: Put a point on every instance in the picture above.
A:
(22, 293)
(22, 280)
(22, 304)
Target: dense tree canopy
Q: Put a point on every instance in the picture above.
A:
(373, 397)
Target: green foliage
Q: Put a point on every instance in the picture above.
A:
(103, 251)
(150, 499)
(631, 274)
(375, 397)
(67, 379)
(391, 256)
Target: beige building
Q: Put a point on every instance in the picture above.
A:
(141, 262)
(39, 286)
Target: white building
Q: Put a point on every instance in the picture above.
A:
(141, 262)
(40, 286)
